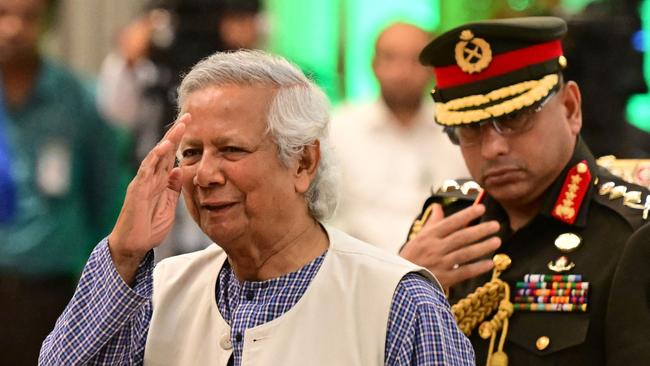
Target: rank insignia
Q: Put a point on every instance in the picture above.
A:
(551, 293)
(573, 192)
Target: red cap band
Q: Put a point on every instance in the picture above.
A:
(450, 76)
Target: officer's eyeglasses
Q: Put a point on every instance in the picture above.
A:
(510, 125)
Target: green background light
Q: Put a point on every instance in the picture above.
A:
(638, 107)
(307, 33)
(333, 40)
(364, 20)
(520, 5)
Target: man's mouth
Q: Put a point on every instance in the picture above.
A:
(498, 176)
(217, 206)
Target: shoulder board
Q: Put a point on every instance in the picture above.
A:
(453, 195)
(630, 200)
(452, 190)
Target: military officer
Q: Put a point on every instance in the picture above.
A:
(538, 197)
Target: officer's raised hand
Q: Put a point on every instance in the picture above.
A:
(451, 249)
(147, 214)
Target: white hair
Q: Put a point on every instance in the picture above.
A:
(298, 115)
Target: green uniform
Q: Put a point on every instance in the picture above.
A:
(603, 226)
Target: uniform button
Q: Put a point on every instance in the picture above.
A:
(542, 343)
(225, 342)
(582, 168)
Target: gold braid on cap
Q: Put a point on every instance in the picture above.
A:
(528, 93)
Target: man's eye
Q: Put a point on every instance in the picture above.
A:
(232, 149)
(511, 117)
(188, 153)
(470, 130)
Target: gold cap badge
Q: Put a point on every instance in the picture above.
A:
(472, 54)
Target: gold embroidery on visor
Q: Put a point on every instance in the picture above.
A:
(528, 93)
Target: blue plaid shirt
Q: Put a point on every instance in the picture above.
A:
(106, 322)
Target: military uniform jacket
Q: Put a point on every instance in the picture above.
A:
(602, 221)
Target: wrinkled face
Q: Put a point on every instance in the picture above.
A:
(401, 76)
(21, 24)
(234, 183)
(516, 170)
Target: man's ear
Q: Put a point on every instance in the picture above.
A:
(307, 166)
(374, 65)
(572, 102)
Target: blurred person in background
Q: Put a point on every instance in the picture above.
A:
(390, 150)
(138, 81)
(602, 37)
(61, 189)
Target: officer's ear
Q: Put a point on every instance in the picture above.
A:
(572, 100)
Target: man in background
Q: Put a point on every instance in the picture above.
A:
(138, 81)
(390, 150)
(64, 166)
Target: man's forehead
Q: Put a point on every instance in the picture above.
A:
(401, 32)
(229, 95)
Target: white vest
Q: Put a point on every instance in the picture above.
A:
(341, 319)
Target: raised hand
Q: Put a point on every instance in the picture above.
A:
(147, 214)
(450, 249)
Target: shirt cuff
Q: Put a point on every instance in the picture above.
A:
(143, 287)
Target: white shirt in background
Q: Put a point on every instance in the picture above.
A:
(388, 170)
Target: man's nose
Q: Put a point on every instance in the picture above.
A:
(493, 143)
(209, 172)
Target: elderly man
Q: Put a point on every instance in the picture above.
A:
(390, 150)
(562, 221)
(278, 287)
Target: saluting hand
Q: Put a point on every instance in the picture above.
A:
(450, 249)
(149, 207)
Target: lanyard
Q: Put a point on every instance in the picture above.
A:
(7, 183)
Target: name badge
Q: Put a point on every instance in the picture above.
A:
(53, 168)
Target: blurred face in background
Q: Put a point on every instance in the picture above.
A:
(21, 24)
(401, 76)
(239, 30)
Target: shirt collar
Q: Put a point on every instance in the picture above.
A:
(581, 154)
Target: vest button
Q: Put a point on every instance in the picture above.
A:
(225, 342)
